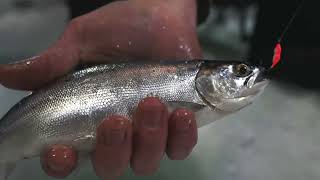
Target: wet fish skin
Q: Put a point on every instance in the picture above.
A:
(69, 110)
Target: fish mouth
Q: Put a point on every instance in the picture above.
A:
(261, 80)
(260, 83)
(261, 77)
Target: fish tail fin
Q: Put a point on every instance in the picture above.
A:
(6, 170)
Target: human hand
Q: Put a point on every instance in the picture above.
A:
(135, 29)
(140, 144)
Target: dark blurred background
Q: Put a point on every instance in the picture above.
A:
(229, 29)
(301, 53)
(300, 60)
(275, 138)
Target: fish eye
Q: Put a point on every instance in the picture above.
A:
(242, 70)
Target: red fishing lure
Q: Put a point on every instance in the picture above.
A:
(277, 55)
(278, 49)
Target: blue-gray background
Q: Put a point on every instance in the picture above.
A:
(275, 138)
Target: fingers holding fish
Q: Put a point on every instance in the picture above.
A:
(150, 130)
(113, 148)
(182, 134)
(59, 161)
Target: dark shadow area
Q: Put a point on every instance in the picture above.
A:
(80, 7)
(301, 43)
(301, 54)
(23, 4)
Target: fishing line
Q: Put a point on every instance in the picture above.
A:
(278, 49)
(296, 12)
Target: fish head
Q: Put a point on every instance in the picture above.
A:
(230, 86)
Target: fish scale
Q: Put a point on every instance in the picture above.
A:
(69, 110)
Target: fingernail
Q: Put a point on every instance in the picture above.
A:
(116, 132)
(183, 119)
(152, 111)
(59, 161)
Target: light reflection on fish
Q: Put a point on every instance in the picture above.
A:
(69, 110)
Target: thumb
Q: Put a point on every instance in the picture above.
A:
(35, 72)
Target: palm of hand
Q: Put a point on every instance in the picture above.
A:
(136, 29)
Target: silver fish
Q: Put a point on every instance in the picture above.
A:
(69, 110)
